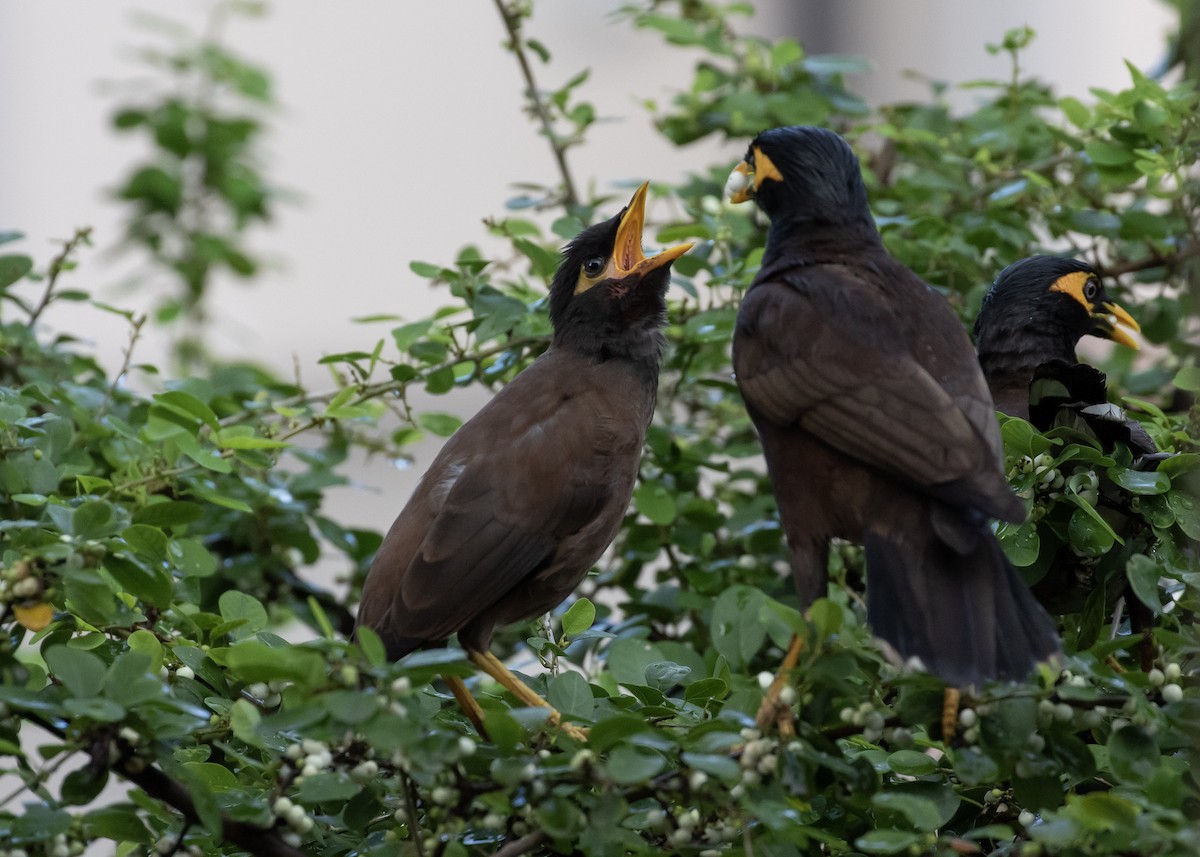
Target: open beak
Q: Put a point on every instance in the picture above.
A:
(627, 258)
(738, 185)
(1112, 322)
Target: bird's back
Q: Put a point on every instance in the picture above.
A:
(535, 484)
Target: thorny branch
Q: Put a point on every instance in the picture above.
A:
(81, 236)
(512, 23)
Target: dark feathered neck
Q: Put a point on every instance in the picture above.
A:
(638, 347)
(797, 241)
(1010, 352)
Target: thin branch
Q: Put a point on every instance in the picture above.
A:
(81, 236)
(512, 23)
(410, 809)
(523, 845)
(1155, 260)
(260, 841)
(134, 335)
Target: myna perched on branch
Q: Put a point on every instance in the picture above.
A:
(1026, 333)
(876, 422)
(524, 498)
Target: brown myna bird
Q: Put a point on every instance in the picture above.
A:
(1026, 333)
(876, 422)
(526, 495)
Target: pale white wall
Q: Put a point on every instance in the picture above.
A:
(401, 127)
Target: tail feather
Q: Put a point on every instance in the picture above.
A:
(968, 617)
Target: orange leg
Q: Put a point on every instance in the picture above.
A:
(494, 667)
(467, 702)
(950, 699)
(771, 711)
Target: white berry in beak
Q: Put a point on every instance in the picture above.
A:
(737, 182)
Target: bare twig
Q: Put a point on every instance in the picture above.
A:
(81, 236)
(410, 809)
(523, 845)
(1154, 260)
(512, 23)
(134, 334)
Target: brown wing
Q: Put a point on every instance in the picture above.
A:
(528, 471)
(828, 352)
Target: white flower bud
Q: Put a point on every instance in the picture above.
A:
(967, 718)
(185, 672)
(1026, 818)
(697, 780)
(282, 806)
(1156, 677)
(1063, 712)
(1172, 693)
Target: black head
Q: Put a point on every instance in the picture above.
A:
(803, 175)
(1049, 303)
(607, 298)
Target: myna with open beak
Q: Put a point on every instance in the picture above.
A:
(526, 495)
(876, 422)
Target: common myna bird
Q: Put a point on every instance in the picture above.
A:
(1028, 327)
(1026, 333)
(876, 422)
(527, 494)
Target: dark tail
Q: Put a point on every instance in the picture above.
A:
(968, 616)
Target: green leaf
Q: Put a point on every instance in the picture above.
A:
(629, 764)
(1021, 543)
(897, 809)
(655, 502)
(13, 268)
(253, 661)
(1133, 755)
(244, 719)
(571, 694)
(327, 786)
(1187, 512)
(887, 841)
(737, 632)
(188, 406)
(1143, 574)
(1101, 525)
(82, 673)
(974, 768)
(1140, 481)
(38, 823)
(911, 763)
(578, 618)
(1188, 378)
(217, 778)
(191, 557)
(171, 513)
(144, 642)
(443, 425)
(1077, 114)
(243, 437)
(239, 606)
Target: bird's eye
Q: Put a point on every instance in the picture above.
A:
(594, 266)
(1091, 289)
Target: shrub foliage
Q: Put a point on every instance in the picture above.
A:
(153, 545)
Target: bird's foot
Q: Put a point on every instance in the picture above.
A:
(950, 700)
(575, 733)
(776, 708)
